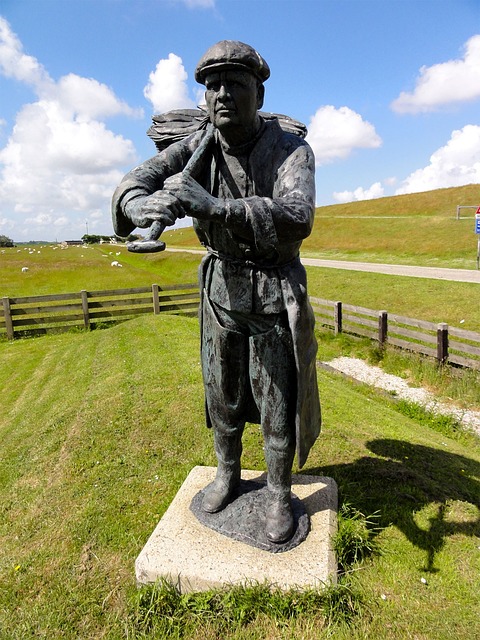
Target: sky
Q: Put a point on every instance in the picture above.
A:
(389, 91)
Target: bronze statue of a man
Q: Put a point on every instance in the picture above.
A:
(252, 201)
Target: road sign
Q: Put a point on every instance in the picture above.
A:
(477, 222)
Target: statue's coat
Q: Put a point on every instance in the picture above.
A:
(252, 263)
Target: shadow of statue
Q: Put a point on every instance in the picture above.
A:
(400, 480)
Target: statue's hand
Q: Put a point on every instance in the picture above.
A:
(159, 206)
(194, 199)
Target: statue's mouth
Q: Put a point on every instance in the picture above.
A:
(225, 110)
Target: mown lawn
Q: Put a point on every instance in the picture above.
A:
(100, 429)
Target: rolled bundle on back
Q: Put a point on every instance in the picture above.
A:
(176, 125)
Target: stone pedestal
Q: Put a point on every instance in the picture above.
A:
(196, 558)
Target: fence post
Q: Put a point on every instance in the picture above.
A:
(337, 315)
(442, 343)
(8, 318)
(382, 328)
(156, 302)
(86, 314)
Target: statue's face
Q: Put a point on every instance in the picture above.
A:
(233, 98)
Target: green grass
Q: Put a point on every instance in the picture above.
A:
(418, 229)
(163, 612)
(456, 303)
(355, 539)
(100, 429)
(53, 270)
(76, 268)
(449, 384)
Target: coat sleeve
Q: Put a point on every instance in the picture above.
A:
(149, 177)
(285, 216)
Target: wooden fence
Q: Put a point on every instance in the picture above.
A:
(35, 315)
(445, 344)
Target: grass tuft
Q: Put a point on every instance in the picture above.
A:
(355, 539)
(161, 610)
(445, 424)
(343, 603)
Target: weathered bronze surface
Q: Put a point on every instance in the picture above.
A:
(243, 518)
(249, 186)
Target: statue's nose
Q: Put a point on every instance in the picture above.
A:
(223, 93)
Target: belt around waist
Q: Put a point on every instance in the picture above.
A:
(251, 263)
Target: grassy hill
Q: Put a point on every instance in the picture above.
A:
(98, 432)
(417, 229)
(436, 203)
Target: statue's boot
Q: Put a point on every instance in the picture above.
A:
(218, 494)
(279, 524)
(279, 519)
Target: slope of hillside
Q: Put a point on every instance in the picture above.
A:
(437, 203)
(100, 429)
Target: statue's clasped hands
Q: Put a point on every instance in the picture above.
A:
(181, 195)
(159, 207)
(192, 197)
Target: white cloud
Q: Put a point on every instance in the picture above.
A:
(167, 87)
(14, 63)
(88, 99)
(445, 83)
(454, 165)
(334, 133)
(42, 219)
(62, 221)
(60, 161)
(374, 191)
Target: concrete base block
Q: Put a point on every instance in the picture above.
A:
(197, 558)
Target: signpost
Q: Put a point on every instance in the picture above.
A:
(477, 231)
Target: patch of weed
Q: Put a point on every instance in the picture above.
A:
(445, 424)
(343, 603)
(355, 539)
(163, 609)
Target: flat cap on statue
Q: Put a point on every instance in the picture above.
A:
(232, 54)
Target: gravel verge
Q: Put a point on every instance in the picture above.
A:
(375, 376)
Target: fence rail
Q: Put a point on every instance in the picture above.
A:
(35, 315)
(445, 344)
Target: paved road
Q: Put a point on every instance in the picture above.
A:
(457, 275)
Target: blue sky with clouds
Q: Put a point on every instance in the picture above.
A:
(390, 91)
